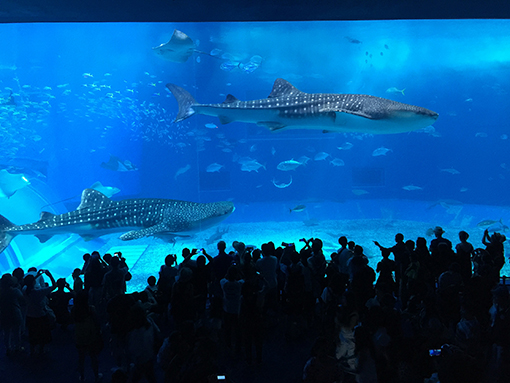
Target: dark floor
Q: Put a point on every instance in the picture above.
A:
(283, 361)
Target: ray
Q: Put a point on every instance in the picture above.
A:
(10, 183)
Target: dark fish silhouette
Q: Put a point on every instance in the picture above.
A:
(118, 165)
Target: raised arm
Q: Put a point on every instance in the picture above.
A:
(486, 239)
(209, 258)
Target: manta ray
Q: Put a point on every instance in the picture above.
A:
(11, 183)
(179, 48)
(118, 165)
(108, 191)
(289, 108)
(98, 215)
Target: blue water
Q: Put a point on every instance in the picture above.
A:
(85, 91)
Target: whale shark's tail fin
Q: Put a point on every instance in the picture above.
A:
(185, 101)
(5, 238)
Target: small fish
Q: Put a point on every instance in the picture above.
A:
(288, 165)
(359, 192)
(462, 190)
(228, 66)
(242, 160)
(386, 46)
(381, 151)
(337, 162)
(87, 75)
(395, 90)
(273, 151)
(468, 100)
(211, 126)
(504, 137)
(303, 159)
(489, 222)
(345, 146)
(352, 41)
(321, 156)
(481, 135)
(282, 185)
(215, 52)
(253, 148)
(248, 67)
(181, 171)
(411, 187)
(253, 166)
(450, 170)
(214, 167)
(298, 208)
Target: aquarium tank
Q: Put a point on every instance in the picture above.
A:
(311, 129)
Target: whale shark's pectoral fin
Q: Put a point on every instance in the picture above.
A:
(271, 125)
(225, 120)
(145, 232)
(357, 113)
(43, 238)
(87, 238)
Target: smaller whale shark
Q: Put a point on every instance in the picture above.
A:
(98, 215)
(287, 107)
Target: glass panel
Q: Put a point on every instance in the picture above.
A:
(84, 103)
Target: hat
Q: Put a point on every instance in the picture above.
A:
(438, 229)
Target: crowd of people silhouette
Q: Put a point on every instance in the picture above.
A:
(432, 313)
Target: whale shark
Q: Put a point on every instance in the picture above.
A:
(289, 108)
(98, 215)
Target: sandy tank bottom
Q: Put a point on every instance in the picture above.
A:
(361, 231)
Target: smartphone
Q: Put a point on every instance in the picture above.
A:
(435, 352)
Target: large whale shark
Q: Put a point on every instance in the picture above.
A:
(98, 215)
(289, 108)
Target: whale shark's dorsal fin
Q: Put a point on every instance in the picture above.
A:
(91, 198)
(283, 88)
(230, 99)
(46, 215)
